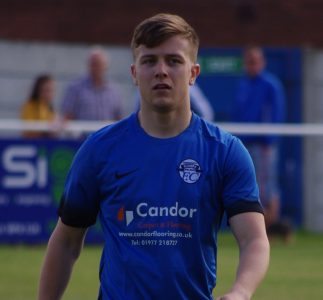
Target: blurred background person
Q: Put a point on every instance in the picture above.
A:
(260, 99)
(39, 105)
(93, 97)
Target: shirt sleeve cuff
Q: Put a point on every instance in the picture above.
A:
(244, 206)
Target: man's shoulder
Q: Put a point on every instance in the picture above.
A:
(226, 146)
(271, 79)
(215, 133)
(112, 131)
(79, 82)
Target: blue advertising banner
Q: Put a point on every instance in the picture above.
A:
(32, 176)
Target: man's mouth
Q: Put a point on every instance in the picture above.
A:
(161, 86)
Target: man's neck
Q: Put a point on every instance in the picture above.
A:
(97, 82)
(164, 125)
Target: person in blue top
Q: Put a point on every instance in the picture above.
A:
(160, 181)
(260, 98)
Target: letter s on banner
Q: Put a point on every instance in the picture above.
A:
(22, 173)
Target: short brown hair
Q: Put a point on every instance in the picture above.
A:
(157, 29)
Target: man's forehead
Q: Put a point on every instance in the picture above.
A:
(254, 54)
(160, 53)
(174, 46)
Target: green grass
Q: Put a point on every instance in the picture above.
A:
(296, 270)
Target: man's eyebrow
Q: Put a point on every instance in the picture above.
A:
(147, 56)
(153, 56)
(174, 55)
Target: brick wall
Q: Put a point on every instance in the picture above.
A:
(218, 22)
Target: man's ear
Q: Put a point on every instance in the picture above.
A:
(195, 72)
(134, 74)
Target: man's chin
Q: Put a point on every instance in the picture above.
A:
(163, 109)
(163, 106)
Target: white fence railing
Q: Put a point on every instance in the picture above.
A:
(286, 129)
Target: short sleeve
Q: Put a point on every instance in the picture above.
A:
(240, 189)
(80, 200)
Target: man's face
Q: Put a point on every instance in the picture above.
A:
(97, 66)
(254, 62)
(164, 73)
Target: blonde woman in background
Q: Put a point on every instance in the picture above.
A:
(39, 106)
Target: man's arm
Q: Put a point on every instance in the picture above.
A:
(250, 233)
(63, 249)
(278, 103)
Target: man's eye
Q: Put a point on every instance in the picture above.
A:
(148, 61)
(174, 61)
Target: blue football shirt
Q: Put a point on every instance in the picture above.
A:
(160, 204)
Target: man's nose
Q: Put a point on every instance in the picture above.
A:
(161, 70)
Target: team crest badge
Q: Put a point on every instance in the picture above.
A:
(189, 170)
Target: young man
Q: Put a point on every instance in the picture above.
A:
(160, 182)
